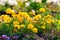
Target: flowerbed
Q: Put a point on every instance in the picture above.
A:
(33, 21)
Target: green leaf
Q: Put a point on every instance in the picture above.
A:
(44, 1)
(58, 27)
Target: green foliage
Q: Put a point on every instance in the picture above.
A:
(44, 1)
(4, 7)
(57, 16)
(35, 6)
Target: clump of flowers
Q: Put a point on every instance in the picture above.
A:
(31, 22)
(23, 23)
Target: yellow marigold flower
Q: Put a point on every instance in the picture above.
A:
(43, 27)
(25, 15)
(49, 16)
(17, 26)
(20, 19)
(20, 14)
(4, 16)
(15, 22)
(37, 17)
(43, 23)
(35, 30)
(30, 26)
(29, 19)
(53, 21)
(13, 12)
(42, 10)
(7, 20)
(32, 13)
(8, 10)
(49, 20)
(22, 25)
(14, 15)
(45, 18)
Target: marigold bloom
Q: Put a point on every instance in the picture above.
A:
(30, 26)
(22, 25)
(43, 23)
(14, 15)
(4, 16)
(20, 19)
(29, 19)
(43, 27)
(7, 20)
(42, 10)
(49, 20)
(32, 13)
(17, 26)
(35, 30)
(37, 17)
(49, 16)
(15, 22)
(8, 10)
